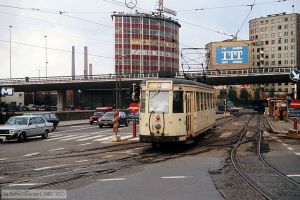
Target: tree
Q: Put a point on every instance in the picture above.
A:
(244, 97)
(272, 92)
(232, 95)
(223, 93)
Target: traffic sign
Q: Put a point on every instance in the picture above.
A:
(134, 107)
(295, 75)
(295, 103)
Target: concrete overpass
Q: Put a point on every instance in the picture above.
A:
(107, 82)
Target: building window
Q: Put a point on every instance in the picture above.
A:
(279, 62)
(273, 62)
(279, 48)
(279, 27)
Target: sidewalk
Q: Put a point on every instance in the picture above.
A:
(73, 122)
(280, 127)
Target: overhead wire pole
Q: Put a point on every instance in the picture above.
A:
(46, 62)
(10, 51)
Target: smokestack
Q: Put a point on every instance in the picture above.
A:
(73, 62)
(90, 69)
(85, 61)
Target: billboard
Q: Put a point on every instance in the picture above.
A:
(7, 92)
(232, 55)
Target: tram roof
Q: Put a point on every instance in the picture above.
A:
(180, 81)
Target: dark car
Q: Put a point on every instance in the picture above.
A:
(108, 119)
(49, 116)
(94, 118)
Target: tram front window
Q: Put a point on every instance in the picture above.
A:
(159, 102)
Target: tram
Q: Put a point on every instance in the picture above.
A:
(175, 110)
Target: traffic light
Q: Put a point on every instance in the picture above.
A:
(135, 92)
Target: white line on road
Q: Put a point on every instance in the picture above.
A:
(57, 149)
(294, 175)
(73, 138)
(279, 140)
(58, 138)
(297, 153)
(103, 139)
(109, 156)
(126, 137)
(24, 184)
(112, 179)
(284, 144)
(290, 148)
(1, 159)
(175, 177)
(89, 138)
(50, 167)
(80, 161)
(31, 154)
(1, 177)
(85, 144)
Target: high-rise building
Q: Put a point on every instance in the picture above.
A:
(276, 41)
(146, 43)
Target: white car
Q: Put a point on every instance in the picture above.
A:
(23, 127)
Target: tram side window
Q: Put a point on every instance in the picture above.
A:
(202, 100)
(198, 99)
(142, 103)
(177, 102)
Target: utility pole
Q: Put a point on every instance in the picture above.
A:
(46, 55)
(10, 51)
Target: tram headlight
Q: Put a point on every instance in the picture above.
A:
(157, 126)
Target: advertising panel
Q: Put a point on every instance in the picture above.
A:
(232, 55)
(7, 92)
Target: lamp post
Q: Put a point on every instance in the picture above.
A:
(10, 51)
(46, 54)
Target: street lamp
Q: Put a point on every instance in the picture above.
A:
(10, 51)
(46, 53)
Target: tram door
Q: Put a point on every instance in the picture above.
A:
(189, 116)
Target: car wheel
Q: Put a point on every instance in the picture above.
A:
(91, 123)
(22, 137)
(1, 140)
(45, 134)
(100, 126)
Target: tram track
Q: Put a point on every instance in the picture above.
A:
(265, 179)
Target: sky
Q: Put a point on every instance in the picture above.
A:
(79, 23)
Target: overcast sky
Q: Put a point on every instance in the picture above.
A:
(89, 23)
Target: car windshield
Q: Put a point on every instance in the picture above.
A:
(98, 113)
(17, 121)
(109, 115)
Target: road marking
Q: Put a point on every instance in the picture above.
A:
(290, 148)
(297, 153)
(58, 138)
(77, 126)
(31, 154)
(103, 139)
(93, 137)
(24, 184)
(80, 161)
(50, 167)
(1, 159)
(134, 139)
(175, 177)
(84, 144)
(73, 130)
(1, 177)
(226, 134)
(73, 138)
(126, 137)
(284, 144)
(279, 140)
(109, 156)
(294, 175)
(57, 149)
(112, 179)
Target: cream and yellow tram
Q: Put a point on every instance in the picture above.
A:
(175, 110)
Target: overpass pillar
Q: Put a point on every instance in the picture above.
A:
(61, 100)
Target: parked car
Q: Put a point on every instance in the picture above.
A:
(49, 116)
(94, 118)
(32, 107)
(104, 109)
(44, 108)
(23, 127)
(108, 119)
(133, 116)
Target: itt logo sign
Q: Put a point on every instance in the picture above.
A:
(232, 55)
